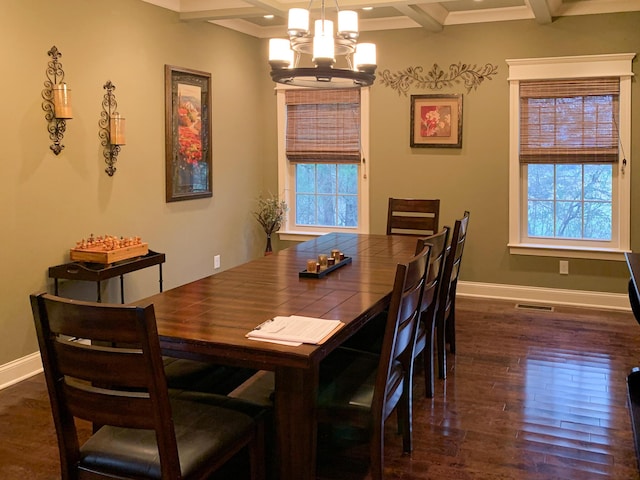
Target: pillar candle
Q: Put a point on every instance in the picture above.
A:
(116, 127)
(62, 101)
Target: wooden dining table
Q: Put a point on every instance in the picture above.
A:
(208, 319)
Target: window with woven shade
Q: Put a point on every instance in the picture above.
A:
(569, 177)
(322, 166)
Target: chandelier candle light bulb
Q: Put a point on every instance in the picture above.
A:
(323, 43)
(348, 24)
(298, 22)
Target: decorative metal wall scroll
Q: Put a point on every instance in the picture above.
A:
(436, 78)
(111, 128)
(57, 101)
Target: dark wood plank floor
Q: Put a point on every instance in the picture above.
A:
(529, 395)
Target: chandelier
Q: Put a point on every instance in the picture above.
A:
(323, 46)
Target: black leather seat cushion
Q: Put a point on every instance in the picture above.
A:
(183, 374)
(201, 432)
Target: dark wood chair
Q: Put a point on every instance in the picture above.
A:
(446, 312)
(361, 389)
(142, 433)
(412, 216)
(425, 336)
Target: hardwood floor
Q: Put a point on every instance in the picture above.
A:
(530, 395)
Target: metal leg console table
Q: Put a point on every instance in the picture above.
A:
(95, 272)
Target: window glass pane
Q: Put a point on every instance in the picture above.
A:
(348, 178)
(540, 182)
(569, 220)
(540, 219)
(326, 182)
(305, 209)
(347, 210)
(305, 178)
(326, 210)
(568, 182)
(598, 182)
(597, 221)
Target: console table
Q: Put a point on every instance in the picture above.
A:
(95, 272)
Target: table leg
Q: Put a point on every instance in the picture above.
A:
(296, 423)
(122, 288)
(160, 268)
(99, 295)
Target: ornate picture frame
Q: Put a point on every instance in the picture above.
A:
(187, 134)
(436, 121)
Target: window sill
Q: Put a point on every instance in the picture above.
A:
(298, 236)
(566, 252)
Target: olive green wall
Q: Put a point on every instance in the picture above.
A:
(48, 202)
(475, 177)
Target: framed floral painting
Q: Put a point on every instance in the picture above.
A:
(436, 121)
(187, 134)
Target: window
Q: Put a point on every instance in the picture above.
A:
(323, 142)
(569, 176)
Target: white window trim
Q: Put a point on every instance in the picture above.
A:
(285, 174)
(614, 65)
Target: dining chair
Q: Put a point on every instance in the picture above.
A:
(362, 389)
(103, 364)
(412, 216)
(446, 312)
(634, 301)
(425, 332)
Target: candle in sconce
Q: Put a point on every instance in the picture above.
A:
(116, 129)
(62, 101)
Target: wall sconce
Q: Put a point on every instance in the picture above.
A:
(111, 125)
(57, 101)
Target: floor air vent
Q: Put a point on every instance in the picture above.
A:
(528, 306)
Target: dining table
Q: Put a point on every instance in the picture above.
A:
(208, 319)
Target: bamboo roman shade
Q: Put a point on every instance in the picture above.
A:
(569, 121)
(323, 125)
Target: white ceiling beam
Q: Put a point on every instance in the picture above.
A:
(420, 17)
(270, 7)
(221, 14)
(541, 11)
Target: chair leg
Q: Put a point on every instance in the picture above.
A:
(427, 354)
(442, 347)
(257, 454)
(404, 414)
(451, 328)
(377, 452)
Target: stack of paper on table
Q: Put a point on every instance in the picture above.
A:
(295, 330)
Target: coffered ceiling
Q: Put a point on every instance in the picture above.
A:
(267, 18)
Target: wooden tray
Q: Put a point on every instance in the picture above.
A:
(109, 256)
(321, 274)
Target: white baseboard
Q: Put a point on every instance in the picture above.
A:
(552, 296)
(30, 365)
(20, 369)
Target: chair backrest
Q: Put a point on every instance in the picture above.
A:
(412, 216)
(399, 336)
(452, 263)
(438, 243)
(91, 376)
